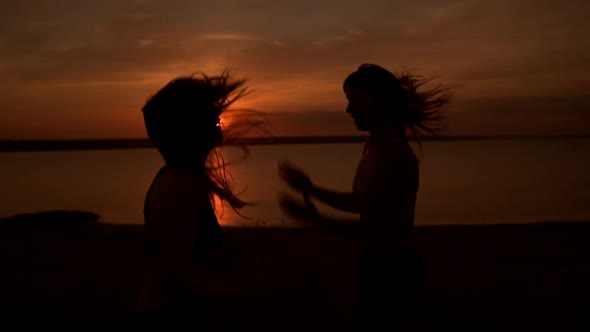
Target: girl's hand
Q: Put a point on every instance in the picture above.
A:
(303, 212)
(295, 178)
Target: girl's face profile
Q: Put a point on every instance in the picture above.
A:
(208, 132)
(363, 108)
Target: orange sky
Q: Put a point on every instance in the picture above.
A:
(83, 69)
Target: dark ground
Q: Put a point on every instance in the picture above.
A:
(63, 268)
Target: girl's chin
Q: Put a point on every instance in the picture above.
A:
(360, 126)
(218, 137)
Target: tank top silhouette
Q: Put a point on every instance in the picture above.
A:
(208, 239)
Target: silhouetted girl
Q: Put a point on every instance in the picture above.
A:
(384, 189)
(183, 122)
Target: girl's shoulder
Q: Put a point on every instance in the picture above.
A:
(394, 151)
(182, 180)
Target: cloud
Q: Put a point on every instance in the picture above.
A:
(465, 39)
(227, 37)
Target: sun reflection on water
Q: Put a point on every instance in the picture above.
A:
(225, 215)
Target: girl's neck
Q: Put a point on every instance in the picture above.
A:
(388, 133)
(193, 162)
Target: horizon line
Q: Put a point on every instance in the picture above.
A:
(30, 145)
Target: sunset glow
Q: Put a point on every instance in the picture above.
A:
(84, 69)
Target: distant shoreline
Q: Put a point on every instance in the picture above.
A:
(108, 144)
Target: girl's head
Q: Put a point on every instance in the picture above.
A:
(183, 118)
(183, 121)
(379, 99)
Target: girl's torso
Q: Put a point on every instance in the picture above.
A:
(207, 240)
(386, 184)
(159, 288)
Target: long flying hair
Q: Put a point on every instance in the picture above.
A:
(178, 114)
(415, 109)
